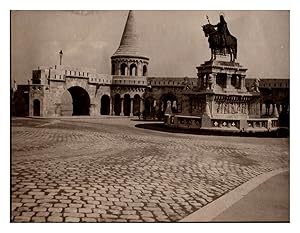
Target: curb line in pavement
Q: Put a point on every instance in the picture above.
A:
(215, 208)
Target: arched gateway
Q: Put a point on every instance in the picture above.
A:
(75, 102)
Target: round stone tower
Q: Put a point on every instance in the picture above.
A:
(129, 60)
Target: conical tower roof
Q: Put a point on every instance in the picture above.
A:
(130, 45)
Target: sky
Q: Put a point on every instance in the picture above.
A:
(173, 40)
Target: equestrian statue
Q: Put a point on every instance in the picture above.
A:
(220, 40)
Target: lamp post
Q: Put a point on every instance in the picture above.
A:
(60, 56)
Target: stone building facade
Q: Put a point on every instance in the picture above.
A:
(128, 91)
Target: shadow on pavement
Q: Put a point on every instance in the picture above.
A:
(280, 133)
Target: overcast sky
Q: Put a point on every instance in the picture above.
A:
(173, 40)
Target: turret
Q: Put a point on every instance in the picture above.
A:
(129, 60)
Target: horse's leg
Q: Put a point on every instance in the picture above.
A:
(211, 54)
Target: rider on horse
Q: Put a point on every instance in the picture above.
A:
(223, 31)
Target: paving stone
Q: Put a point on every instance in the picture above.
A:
(39, 209)
(75, 205)
(55, 209)
(136, 204)
(56, 214)
(93, 215)
(100, 211)
(42, 214)
(22, 219)
(75, 215)
(104, 216)
(88, 220)
(28, 214)
(132, 217)
(38, 219)
(148, 219)
(71, 210)
(72, 219)
(30, 204)
(28, 200)
(145, 213)
(61, 205)
(16, 205)
(85, 210)
(129, 212)
(54, 219)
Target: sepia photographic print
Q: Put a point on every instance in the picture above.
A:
(140, 116)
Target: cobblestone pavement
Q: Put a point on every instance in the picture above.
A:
(106, 170)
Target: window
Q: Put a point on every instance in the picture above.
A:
(145, 73)
(133, 70)
(124, 69)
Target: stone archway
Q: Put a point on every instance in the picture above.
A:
(148, 106)
(145, 72)
(124, 69)
(126, 105)
(133, 70)
(80, 101)
(36, 107)
(117, 104)
(136, 105)
(105, 105)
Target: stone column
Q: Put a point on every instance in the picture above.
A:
(270, 110)
(100, 106)
(228, 81)
(118, 66)
(280, 108)
(92, 109)
(263, 109)
(257, 109)
(243, 86)
(111, 107)
(122, 107)
(131, 106)
(275, 111)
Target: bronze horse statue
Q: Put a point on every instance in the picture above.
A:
(216, 45)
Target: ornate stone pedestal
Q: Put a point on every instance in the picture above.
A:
(222, 102)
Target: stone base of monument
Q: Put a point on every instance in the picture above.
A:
(207, 123)
(221, 102)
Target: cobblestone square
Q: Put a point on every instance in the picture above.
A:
(107, 170)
